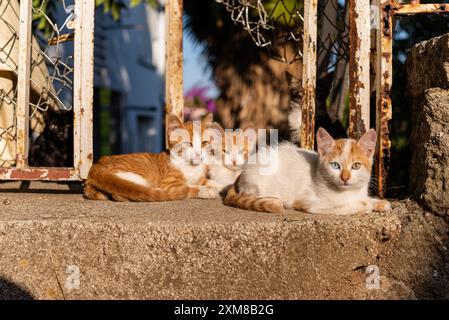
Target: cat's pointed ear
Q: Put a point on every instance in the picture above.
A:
(368, 142)
(173, 124)
(325, 142)
(213, 133)
(207, 120)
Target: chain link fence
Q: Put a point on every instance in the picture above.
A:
(51, 67)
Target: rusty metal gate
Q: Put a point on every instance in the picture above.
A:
(363, 53)
(370, 47)
(388, 11)
(239, 11)
(36, 68)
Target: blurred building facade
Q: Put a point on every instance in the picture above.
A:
(129, 81)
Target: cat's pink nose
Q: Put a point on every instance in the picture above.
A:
(345, 176)
(234, 162)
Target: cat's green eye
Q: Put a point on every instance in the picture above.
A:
(356, 166)
(335, 165)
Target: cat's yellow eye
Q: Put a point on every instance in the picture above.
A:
(356, 166)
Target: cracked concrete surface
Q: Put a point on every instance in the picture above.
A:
(203, 250)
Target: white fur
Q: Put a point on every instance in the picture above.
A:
(224, 170)
(207, 193)
(192, 173)
(220, 176)
(190, 162)
(133, 177)
(295, 122)
(300, 176)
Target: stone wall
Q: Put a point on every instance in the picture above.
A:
(428, 88)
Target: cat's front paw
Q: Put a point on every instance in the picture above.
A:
(207, 193)
(381, 206)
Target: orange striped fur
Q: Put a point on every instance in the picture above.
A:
(249, 202)
(148, 177)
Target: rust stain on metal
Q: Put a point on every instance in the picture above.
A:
(308, 118)
(415, 7)
(174, 58)
(387, 56)
(357, 126)
(384, 107)
(387, 14)
(28, 174)
(359, 67)
(50, 174)
(309, 73)
(58, 174)
(174, 97)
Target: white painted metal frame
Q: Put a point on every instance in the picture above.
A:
(23, 82)
(359, 67)
(82, 98)
(83, 86)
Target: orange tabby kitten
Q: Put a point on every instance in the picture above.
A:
(173, 175)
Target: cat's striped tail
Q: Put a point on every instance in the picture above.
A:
(248, 202)
(102, 184)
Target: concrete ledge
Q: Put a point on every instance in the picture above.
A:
(203, 250)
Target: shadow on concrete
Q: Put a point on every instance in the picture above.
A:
(435, 282)
(25, 187)
(12, 291)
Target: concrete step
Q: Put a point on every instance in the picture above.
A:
(201, 249)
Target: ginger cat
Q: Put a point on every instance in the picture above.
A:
(233, 152)
(178, 174)
(333, 180)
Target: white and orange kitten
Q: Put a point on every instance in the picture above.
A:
(334, 180)
(229, 155)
